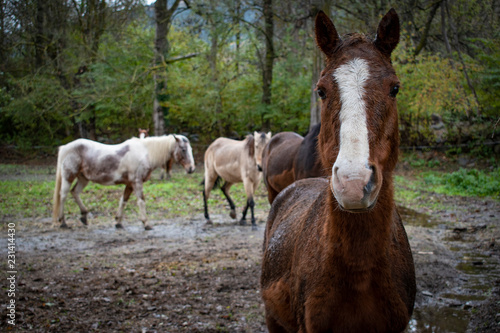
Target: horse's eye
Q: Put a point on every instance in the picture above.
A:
(394, 91)
(321, 94)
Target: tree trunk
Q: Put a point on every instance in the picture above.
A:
(267, 71)
(423, 39)
(457, 47)
(160, 77)
(318, 64)
(214, 46)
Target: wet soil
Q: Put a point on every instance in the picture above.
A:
(185, 276)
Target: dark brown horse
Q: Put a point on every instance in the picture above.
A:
(336, 255)
(289, 157)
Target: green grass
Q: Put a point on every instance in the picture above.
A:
(181, 196)
(26, 194)
(416, 191)
(464, 182)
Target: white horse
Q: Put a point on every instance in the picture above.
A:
(129, 163)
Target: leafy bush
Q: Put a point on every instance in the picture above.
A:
(467, 182)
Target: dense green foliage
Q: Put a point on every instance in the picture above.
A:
(95, 78)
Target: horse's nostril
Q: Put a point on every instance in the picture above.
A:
(259, 167)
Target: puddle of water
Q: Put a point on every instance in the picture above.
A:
(414, 218)
(452, 314)
(438, 320)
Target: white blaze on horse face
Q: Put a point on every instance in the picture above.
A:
(351, 168)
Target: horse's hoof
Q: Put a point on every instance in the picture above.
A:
(232, 214)
(209, 222)
(148, 227)
(64, 226)
(83, 220)
(119, 226)
(243, 222)
(254, 227)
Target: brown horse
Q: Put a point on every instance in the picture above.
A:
(129, 163)
(289, 157)
(143, 133)
(336, 255)
(234, 162)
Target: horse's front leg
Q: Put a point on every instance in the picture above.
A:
(141, 203)
(249, 189)
(123, 201)
(75, 191)
(251, 204)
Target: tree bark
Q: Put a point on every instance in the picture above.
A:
(459, 53)
(425, 34)
(318, 64)
(267, 71)
(163, 18)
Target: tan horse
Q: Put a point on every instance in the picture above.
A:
(235, 162)
(336, 255)
(129, 163)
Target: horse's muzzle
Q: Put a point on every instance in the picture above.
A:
(190, 170)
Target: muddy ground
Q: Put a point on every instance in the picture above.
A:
(185, 276)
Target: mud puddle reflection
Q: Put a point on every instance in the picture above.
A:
(449, 309)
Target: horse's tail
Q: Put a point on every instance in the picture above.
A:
(57, 190)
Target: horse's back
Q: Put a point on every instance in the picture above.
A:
(103, 163)
(226, 158)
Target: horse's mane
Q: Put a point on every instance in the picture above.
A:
(250, 145)
(160, 149)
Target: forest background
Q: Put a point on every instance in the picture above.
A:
(102, 69)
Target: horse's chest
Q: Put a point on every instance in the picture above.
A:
(341, 311)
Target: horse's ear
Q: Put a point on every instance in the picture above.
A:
(269, 135)
(255, 134)
(388, 33)
(176, 138)
(327, 37)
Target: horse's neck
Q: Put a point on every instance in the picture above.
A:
(159, 150)
(360, 240)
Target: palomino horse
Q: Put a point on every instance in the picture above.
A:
(336, 255)
(289, 157)
(235, 162)
(129, 163)
(144, 133)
